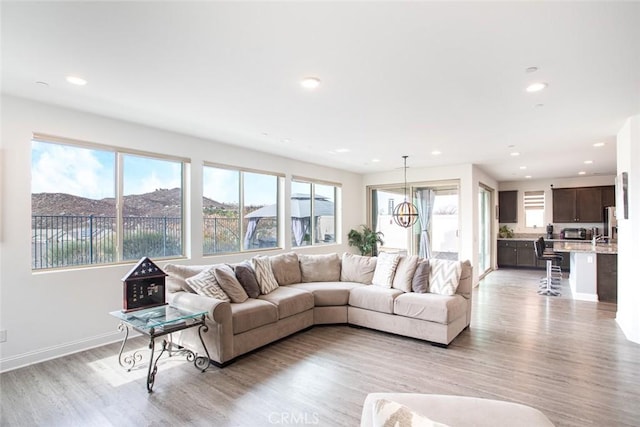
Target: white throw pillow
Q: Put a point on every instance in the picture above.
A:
(389, 413)
(404, 273)
(264, 274)
(385, 269)
(206, 284)
(444, 276)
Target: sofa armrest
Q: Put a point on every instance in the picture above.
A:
(218, 311)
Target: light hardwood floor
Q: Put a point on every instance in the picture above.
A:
(567, 358)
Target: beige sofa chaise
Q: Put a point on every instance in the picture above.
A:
(388, 293)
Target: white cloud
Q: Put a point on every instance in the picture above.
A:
(65, 169)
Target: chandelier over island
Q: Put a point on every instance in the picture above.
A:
(405, 214)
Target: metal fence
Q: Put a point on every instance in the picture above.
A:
(68, 240)
(221, 235)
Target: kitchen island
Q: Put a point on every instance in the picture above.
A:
(593, 269)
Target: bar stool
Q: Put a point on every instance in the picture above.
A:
(550, 284)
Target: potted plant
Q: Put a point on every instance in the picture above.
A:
(505, 232)
(365, 240)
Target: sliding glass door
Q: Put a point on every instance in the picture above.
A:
(484, 241)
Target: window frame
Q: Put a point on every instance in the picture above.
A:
(241, 206)
(534, 200)
(119, 155)
(312, 227)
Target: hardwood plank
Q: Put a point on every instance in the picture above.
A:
(567, 358)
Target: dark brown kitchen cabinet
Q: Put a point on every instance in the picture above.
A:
(607, 277)
(508, 206)
(526, 254)
(582, 204)
(507, 253)
(608, 196)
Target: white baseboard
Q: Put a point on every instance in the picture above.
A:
(585, 297)
(53, 352)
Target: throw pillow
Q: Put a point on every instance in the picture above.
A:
(206, 284)
(320, 268)
(420, 282)
(389, 413)
(286, 268)
(444, 276)
(385, 269)
(404, 273)
(178, 274)
(247, 278)
(266, 281)
(229, 283)
(357, 268)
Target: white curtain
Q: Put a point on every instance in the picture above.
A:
(251, 232)
(300, 227)
(425, 198)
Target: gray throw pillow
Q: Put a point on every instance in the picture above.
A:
(420, 282)
(229, 283)
(247, 278)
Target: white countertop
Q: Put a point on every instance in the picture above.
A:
(584, 246)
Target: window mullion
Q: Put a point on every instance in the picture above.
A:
(119, 206)
(241, 210)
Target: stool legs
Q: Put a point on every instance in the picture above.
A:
(550, 284)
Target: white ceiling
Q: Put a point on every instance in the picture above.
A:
(397, 78)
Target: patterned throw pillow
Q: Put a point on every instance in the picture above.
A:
(205, 283)
(385, 269)
(264, 275)
(229, 283)
(444, 276)
(389, 413)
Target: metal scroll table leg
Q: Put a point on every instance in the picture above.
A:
(153, 364)
(200, 362)
(127, 362)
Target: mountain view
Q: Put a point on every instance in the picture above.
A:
(159, 203)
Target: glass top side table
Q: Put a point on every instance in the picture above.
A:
(157, 322)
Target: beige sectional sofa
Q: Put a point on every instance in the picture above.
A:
(318, 289)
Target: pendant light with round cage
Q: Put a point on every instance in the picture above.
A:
(406, 213)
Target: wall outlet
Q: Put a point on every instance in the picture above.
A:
(3, 336)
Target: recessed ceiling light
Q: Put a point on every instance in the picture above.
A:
(342, 150)
(523, 167)
(75, 80)
(436, 152)
(538, 106)
(42, 84)
(531, 70)
(599, 144)
(265, 134)
(515, 153)
(582, 173)
(536, 87)
(286, 140)
(310, 82)
(375, 160)
(588, 162)
(528, 176)
(510, 146)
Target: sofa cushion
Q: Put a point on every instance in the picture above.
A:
(264, 275)
(465, 286)
(247, 278)
(206, 284)
(442, 309)
(286, 268)
(229, 283)
(329, 293)
(320, 268)
(357, 268)
(252, 314)
(385, 269)
(289, 300)
(444, 276)
(390, 413)
(404, 273)
(420, 281)
(374, 298)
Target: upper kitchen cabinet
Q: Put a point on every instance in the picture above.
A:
(508, 206)
(609, 195)
(583, 204)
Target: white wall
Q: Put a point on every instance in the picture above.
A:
(545, 184)
(628, 157)
(469, 176)
(48, 314)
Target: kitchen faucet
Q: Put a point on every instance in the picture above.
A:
(597, 238)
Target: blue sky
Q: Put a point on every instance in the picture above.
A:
(90, 173)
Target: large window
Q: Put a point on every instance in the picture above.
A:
(313, 213)
(533, 209)
(98, 205)
(240, 210)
